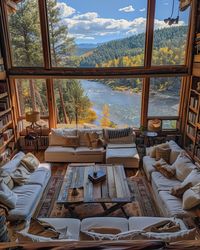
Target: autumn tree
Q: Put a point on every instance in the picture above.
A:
(105, 120)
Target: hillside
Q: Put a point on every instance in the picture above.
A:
(133, 46)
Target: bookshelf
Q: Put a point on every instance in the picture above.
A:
(7, 129)
(192, 137)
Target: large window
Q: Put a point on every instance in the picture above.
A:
(32, 96)
(24, 27)
(87, 33)
(104, 103)
(164, 96)
(170, 33)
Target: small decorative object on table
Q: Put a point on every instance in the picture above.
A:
(97, 175)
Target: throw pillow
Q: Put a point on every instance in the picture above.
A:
(152, 150)
(193, 178)
(95, 140)
(178, 191)
(42, 228)
(191, 198)
(21, 175)
(165, 169)
(7, 196)
(175, 151)
(30, 162)
(125, 135)
(163, 227)
(5, 176)
(163, 153)
(183, 166)
(72, 141)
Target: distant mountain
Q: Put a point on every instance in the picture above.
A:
(172, 37)
(83, 48)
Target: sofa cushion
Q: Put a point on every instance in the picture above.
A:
(39, 177)
(183, 166)
(13, 164)
(140, 223)
(162, 183)
(142, 235)
(191, 197)
(175, 151)
(120, 145)
(57, 137)
(7, 196)
(73, 225)
(89, 151)
(27, 199)
(171, 204)
(148, 167)
(116, 222)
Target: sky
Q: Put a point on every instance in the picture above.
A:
(98, 21)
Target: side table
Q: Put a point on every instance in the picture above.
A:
(32, 138)
(149, 138)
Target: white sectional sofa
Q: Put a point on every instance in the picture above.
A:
(115, 150)
(168, 204)
(29, 194)
(125, 226)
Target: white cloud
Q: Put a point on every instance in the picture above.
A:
(142, 10)
(127, 9)
(89, 25)
(65, 10)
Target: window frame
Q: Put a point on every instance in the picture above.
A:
(48, 72)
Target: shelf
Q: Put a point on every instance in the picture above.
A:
(6, 142)
(191, 123)
(5, 126)
(191, 137)
(195, 91)
(193, 110)
(5, 112)
(3, 95)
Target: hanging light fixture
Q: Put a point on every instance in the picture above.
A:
(171, 20)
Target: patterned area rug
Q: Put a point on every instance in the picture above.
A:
(143, 205)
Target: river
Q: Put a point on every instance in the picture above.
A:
(125, 107)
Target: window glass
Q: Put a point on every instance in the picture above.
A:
(164, 96)
(85, 33)
(170, 33)
(32, 96)
(25, 35)
(101, 103)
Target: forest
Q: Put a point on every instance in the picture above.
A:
(72, 103)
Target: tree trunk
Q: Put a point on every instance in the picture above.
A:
(32, 93)
(62, 102)
(21, 97)
(43, 108)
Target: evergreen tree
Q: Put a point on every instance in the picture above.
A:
(24, 26)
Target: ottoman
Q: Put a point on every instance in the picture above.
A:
(125, 154)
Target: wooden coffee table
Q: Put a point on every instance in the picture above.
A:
(77, 189)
